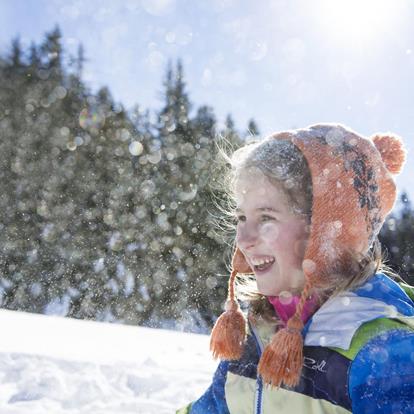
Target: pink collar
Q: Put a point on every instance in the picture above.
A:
(285, 308)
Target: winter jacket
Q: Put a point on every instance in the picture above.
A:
(358, 357)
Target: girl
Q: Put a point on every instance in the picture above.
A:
(327, 331)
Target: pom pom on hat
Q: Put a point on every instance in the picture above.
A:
(392, 151)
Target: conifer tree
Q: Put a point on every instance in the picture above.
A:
(252, 129)
(396, 237)
(16, 55)
(51, 54)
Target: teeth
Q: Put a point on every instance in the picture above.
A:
(261, 261)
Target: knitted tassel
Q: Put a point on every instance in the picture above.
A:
(229, 332)
(282, 359)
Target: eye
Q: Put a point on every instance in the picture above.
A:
(240, 218)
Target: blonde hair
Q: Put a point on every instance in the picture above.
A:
(284, 165)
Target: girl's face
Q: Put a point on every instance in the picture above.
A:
(271, 237)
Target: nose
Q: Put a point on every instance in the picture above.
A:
(247, 236)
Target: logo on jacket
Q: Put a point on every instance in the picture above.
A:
(314, 365)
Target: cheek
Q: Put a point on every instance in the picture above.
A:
(278, 233)
(292, 240)
(239, 233)
(270, 232)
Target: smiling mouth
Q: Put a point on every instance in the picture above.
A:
(264, 266)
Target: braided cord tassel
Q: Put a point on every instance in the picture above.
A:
(282, 359)
(229, 332)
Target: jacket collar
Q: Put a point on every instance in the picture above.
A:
(336, 321)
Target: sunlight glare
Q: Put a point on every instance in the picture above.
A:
(358, 20)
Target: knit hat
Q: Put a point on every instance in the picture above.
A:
(353, 190)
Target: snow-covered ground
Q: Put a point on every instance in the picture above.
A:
(53, 365)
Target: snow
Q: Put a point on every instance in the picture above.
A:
(51, 364)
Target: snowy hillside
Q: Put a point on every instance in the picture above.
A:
(57, 365)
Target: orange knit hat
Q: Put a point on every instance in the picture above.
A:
(353, 190)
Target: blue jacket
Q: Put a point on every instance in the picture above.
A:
(358, 357)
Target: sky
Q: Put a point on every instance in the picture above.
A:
(50, 364)
(285, 63)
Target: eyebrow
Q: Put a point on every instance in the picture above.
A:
(262, 209)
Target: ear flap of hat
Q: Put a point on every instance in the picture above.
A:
(239, 262)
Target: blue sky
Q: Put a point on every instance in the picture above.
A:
(287, 63)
